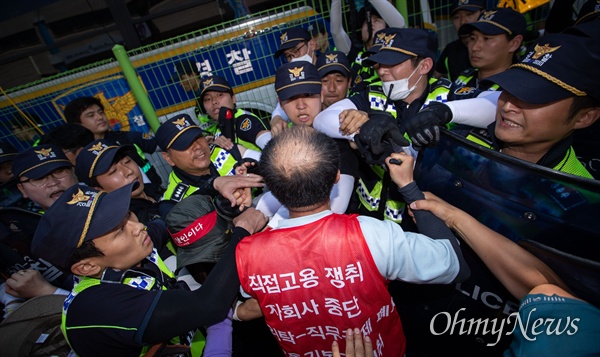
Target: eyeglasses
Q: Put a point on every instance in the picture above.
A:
(293, 52)
(43, 182)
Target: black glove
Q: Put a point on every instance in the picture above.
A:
(424, 128)
(226, 123)
(376, 136)
(223, 207)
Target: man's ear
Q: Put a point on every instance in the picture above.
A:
(86, 267)
(426, 66)
(337, 177)
(587, 117)
(515, 43)
(167, 158)
(312, 45)
(20, 187)
(234, 100)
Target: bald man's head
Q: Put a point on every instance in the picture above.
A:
(300, 166)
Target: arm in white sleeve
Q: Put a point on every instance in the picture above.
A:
(252, 154)
(262, 139)
(389, 13)
(341, 40)
(328, 121)
(279, 111)
(406, 256)
(341, 193)
(268, 204)
(477, 112)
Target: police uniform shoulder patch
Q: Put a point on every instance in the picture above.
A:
(246, 124)
(179, 192)
(441, 83)
(464, 90)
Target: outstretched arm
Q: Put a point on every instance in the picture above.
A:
(517, 269)
(401, 172)
(389, 13)
(341, 40)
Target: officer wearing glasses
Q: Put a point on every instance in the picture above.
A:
(297, 45)
(44, 173)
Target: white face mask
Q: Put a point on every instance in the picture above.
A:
(398, 89)
(306, 57)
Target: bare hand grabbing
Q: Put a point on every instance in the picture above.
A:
(401, 167)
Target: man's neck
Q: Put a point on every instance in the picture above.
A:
(196, 173)
(419, 90)
(307, 211)
(532, 153)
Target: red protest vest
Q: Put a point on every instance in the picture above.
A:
(317, 280)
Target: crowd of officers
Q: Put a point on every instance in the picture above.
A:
(148, 266)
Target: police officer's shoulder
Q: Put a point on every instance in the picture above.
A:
(468, 72)
(440, 83)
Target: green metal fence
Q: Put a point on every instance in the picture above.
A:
(230, 49)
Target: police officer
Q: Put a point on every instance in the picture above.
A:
(126, 299)
(545, 98)
(249, 133)
(455, 56)
(185, 148)
(404, 62)
(493, 41)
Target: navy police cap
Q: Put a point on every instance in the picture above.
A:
(39, 161)
(177, 133)
(333, 61)
(290, 38)
(556, 67)
(7, 152)
(96, 158)
(468, 5)
(79, 215)
(589, 11)
(497, 22)
(400, 45)
(215, 83)
(296, 78)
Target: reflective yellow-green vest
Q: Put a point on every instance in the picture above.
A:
(569, 164)
(177, 190)
(369, 199)
(244, 143)
(466, 76)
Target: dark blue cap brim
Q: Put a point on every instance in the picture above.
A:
(470, 8)
(110, 211)
(7, 157)
(60, 229)
(386, 57)
(186, 138)
(333, 67)
(105, 160)
(287, 46)
(528, 86)
(483, 27)
(45, 168)
(303, 88)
